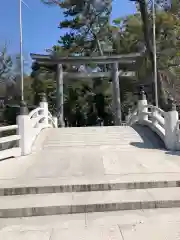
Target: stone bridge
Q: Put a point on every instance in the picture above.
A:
(93, 170)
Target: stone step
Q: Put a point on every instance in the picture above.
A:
(84, 137)
(93, 140)
(84, 202)
(95, 128)
(92, 136)
(73, 186)
(95, 131)
(122, 133)
(69, 144)
(126, 144)
(91, 132)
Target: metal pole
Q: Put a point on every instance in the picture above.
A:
(21, 51)
(155, 52)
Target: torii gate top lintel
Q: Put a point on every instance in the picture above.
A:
(124, 58)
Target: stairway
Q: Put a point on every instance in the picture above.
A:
(78, 189)
(85, 198)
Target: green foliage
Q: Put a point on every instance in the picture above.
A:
(5, 64)
(167, 40)
(89, 32)
(86, 23)
(43, 81)
(10, 114)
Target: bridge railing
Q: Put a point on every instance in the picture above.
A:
(165, 124)
(28, 127)
(9, 142)
(31, 124)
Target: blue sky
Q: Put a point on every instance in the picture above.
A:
(40, 24)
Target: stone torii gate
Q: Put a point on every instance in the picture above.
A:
(125, 62)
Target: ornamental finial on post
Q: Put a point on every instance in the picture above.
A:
(23, 108)
(142, 94)
(43, 97)
(171, 104)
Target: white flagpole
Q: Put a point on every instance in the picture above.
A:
(21, 51)
(155, 52)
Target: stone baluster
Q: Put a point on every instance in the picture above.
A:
(171, 118)
(44, 104)
(142, 106)
(24, 129)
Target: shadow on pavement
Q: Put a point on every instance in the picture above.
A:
(174, 153)
(150, 139)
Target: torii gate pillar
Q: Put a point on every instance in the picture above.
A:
(60, 96)
(116, 95)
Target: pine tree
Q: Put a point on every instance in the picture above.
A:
(87, 22)
(167, 34)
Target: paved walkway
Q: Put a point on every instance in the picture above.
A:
(123, 153)
(160, 224)
(92, 156)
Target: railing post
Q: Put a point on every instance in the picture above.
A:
(142, 116)
(44, 104)
(24, 129)
(55, 121)
(154, 116)
(171, 118)
(128, 115)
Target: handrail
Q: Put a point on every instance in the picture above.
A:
(8, 128)
(8, 149)
(52, 121)
(177, 125)
(151, 116)
(36, 118)
(36, 121)
(155, 108)
(9, 139)
(50, 115)
(178, 130)
(33, 112)
(130, 117)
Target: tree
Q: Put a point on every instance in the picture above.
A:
(83, 100)
(5, 64)
(92, 37)
(43, 81)
(87, 21)
(6, 74)
(168, 28)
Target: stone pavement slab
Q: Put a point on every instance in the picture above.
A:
(89, 162)
(25, 235)
(166, 231)
(160, 224)
(96, 233)
(84, 202)
(117, 151)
